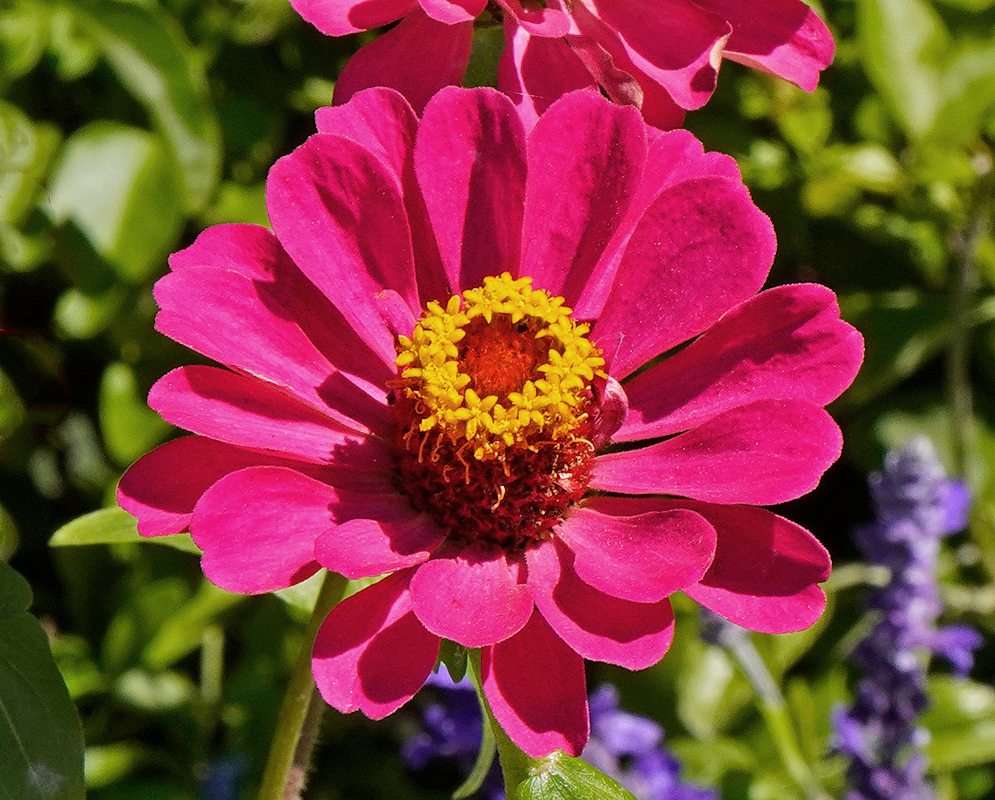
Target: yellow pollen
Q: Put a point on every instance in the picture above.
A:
(503, 366)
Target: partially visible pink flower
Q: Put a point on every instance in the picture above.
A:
(436, 370)
(660, 56)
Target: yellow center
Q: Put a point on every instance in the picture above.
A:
(504, 365)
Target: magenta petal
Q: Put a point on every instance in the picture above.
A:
(249, 250)
(535, 686)
(763, 453)
(674, 281)
(470, 162)
(586, 158)
(162, 487)
(596, 625)
(339, 17)
(453, 11)
(222, 315)
(257, 528)
(239, 410)
(640, 558)
(787, 343)
(371, 654)
(338, 212)
(536, 70)
(380, 120)
(361, 548)
(441, 52)
(784, 37)
(476, 598)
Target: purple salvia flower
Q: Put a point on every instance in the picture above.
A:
(916, 506)
(624, 746)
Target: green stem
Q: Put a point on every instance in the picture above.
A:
(515, 765)
(297, 727)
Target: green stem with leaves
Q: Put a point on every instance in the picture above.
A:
(300, 716)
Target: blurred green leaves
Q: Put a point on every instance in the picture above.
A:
(41, 746)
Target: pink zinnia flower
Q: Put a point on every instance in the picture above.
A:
(662, 57)
(435, 371)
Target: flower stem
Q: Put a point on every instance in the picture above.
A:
(297, 727)
(515, 764)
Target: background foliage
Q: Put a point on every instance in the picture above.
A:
(126, 127)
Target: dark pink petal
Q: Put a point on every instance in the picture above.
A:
(453, 11)
(535, 686)
(787, 343)
(257, 528)
(162, 487)
(586, 159)
(371, 654)
(476, 598)
(640, 558)
(675, 280)
(251, 326)
(338, 212)
(390, 536)
(380, 120)
(339, 17)
(676, 44)
(539, 20)
(596, 625)
(439, 50)
(762, 453)
(765, 570)
(470, 162)
(535, 70)
(784, 37)
(239, 410)
(280, 288)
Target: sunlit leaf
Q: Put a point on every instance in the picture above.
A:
(129, 427)
(561, 777)
(113, 526)
(41, 741)
(961, 722)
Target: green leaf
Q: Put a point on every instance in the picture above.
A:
(28, 150)
(903, 42)
(41, 741)
(968, 90)
(129, 427)
(113, 526)
(157, 64)
(183, 632)
(562, 777)
(961, 722)
(115, 185)
(23, 36)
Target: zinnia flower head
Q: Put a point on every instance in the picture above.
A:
(662, 57)
(436, 370)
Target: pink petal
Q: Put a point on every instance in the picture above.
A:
(239, 410)
(596, 625)
(470, 162)
(536, 70)
(535, 686)
(784, 37)
(440, 51)
(257, 528)
(339, 17)
(380, 120)
(371, 653)
(162, 487)
(674, 281)
(640, 558)
(339, 214)
(586, 159)
(251, 326)
(539, 20)
(390, 536)
(762, 453)
(765, 570)
(676, 44)
(453, 11)
(280, 289)
(787, 343)
(476, 598)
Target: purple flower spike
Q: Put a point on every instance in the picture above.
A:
(916, 506)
